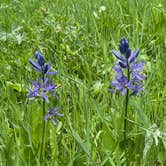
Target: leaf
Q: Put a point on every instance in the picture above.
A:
(156, 135)
(148, 143)
(152, 133)
(108, 139)
(108, 157)
(15, 86)
(53, 143)
(82, 144)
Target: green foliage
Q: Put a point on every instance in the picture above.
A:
(76, 37)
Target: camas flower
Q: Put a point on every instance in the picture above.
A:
(43, 86)
(120, 84)
(135, 85)
(35, 92)
(134, 77)
(126, 55)
(52, 114)
(136, 69)
(40, 65)
(124, 46)
(41, 89)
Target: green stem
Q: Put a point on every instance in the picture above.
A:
(126, 105)
(43, 132)
(42, 146)
(125, 115)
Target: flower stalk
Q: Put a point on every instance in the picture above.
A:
(43, 125)
(41, 88)
(126, 103)
(129, 76)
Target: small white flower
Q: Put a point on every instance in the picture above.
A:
(102, 9)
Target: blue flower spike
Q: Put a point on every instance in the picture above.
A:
(43, 87)
(127, 61)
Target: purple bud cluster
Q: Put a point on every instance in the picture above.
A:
(129, 72)
(44, 86)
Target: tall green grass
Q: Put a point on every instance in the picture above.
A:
(77, 37)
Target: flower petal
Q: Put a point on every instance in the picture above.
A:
(122, 64)
(53, 73)
(46, 117)
(118, 55)
(128, 53)
(47, 68)
(123, 45)
(35, 65)
(117, 85)
(54, 122)
(50, 87)
(133, 56)
(40, 58)
(137, 89)
(123, 91)
(45, 97)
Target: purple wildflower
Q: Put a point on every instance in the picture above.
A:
(133, 56)
(124, 47)
(35, 92)
(52, 114)
(134, 77)
(121, 80)
(135, 85)
(39, 58)
(129, 75)
(136, 69)
(126, 55)
(120, 84)
(43, 86)
(40, 89)
(40, 65)
(47, 86)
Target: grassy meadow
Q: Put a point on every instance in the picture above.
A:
(77, 37)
